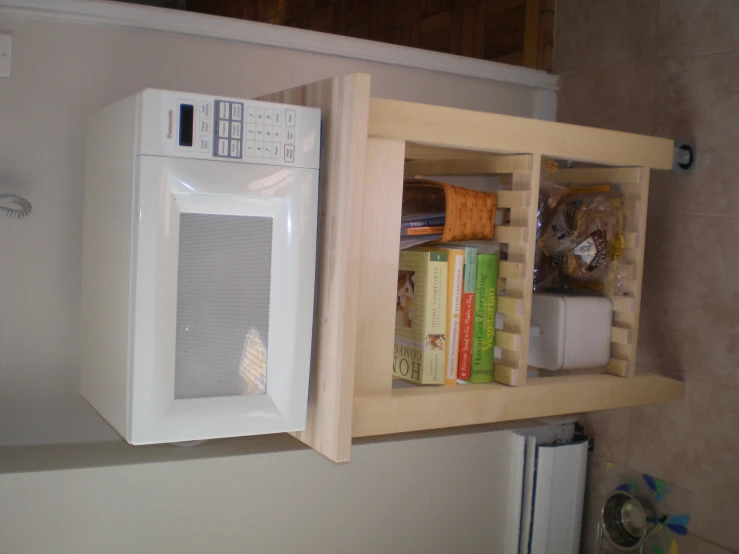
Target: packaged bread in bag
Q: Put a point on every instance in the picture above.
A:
(583, 240)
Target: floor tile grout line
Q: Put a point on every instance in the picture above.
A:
(628, 437)
(709, 381)
(734, 50)
(689, 214)
(653, 125)
(684, 376)
(717, 216)
(656, 47)
(681, 375)
(729, 549)
(655, 60)
(604, 68)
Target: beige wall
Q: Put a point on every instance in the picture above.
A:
(439, 495)
(60, 72)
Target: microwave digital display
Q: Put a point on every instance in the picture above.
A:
(187, 113)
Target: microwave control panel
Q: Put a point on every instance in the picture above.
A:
(229, 129)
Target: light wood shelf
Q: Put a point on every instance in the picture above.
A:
(369, 144)
(421, 408)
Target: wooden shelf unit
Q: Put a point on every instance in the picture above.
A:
(369, 144)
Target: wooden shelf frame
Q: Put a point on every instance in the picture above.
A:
(369, 144)
(423, 408)
(452, 142)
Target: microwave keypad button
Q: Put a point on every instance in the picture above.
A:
(223, 147)
(237, 109)
(269, 116)
(235, 130)
(267, 149)
(289, 153)
(259, 149)
(204, 145)
(251, 115)
(276, 134)
(289, 135)
(205, 126)
(224, 109)
(204, 109)
(260, 132)
(290, 118)
(235, 148)
(260, 116)
(278, 118)
(251, 131)
(223, 129)
(250, 149)
(276, 149)
(268, 132)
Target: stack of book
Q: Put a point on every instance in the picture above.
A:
(421, 228)
(445, 315)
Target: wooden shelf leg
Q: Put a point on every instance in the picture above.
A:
(378, 277)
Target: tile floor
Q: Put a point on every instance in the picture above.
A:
(671, 68)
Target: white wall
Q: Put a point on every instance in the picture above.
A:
(60, 72)
(431, 495)
(439, 495)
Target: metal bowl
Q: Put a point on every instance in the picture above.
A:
(627, 520)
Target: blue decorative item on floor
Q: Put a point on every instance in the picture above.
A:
(667, 508)
(677, 524)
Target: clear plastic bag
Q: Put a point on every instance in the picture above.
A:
(546, 273)
(579, 239)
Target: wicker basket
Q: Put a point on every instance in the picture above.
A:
(470, 214)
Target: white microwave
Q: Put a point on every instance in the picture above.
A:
(198, 271)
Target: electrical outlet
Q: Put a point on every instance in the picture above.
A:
(5, 55)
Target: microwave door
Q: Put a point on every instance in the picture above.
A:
(225, 265)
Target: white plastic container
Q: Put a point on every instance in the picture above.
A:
(570, 332)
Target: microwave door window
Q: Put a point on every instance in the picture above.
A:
(223, 292)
